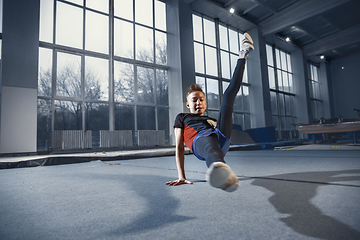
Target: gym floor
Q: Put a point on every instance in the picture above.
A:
(309, 194)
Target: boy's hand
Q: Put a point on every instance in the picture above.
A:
(178, 182)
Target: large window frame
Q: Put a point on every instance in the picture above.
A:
(282, 92)
(143, 113)
(317, 103)
(216, 50)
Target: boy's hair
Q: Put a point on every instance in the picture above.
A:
(194, 88)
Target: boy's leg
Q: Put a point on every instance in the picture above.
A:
(208, 148)
(224, 123)
(219, 175)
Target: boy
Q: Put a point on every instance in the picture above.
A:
(207, 139)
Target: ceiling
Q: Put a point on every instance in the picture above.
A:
(318, 27)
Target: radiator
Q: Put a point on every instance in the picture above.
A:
(150, 138)
(72, 139)
(119, 138)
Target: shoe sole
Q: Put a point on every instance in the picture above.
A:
(218, 177)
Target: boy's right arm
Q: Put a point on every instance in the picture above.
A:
(180, 156)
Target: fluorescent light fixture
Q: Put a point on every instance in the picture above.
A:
(287, 39)
(232, 10)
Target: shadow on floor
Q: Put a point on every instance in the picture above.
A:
(161, 207)
(292, 195)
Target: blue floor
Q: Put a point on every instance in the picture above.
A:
(282, 195)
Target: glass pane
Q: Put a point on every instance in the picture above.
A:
(283, 61)
(46, 20)
(197, 28)
(273, 100)
(145, 118)
(238, 104)
(269, 55)
(247, 121)
(209, 32)
(213, 93)
(211, 61)
(144, 44)
(96, 119)
(160, 15)
(201, 82)
(289, 62)
(213, 114)
(280, 83)
(68, 76)
(123, 9)
(163, 122)
(271, 78)
(96, 78)
(199, 58)
(145, 82)
(283, 123)
(102, 6)
(239, 119)
(316, 74)
(234, 42)
(97, 32)
(123, 82)
(144, 12)
(233, 61)
(45, 72)
(225, 86)
(275, 122)
(225, 65)
(79, 2)
(317, 90)
(162, 86)
(68, 115)
(69, 25)
(124, 46)
(96, 116)
(282, 104)
(43, 124)
(224, 43)
(245, 75)
(124, 117)
(288, 105)
(246, 99)
(277, 54)
(291, 84)
(161, 48)
(285, 82)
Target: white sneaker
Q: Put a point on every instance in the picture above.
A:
(247, 44)
(219, 175)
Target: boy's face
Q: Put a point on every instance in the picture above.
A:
(196, 102)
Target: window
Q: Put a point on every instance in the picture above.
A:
(315, 95)
(214, 74)
(88, 81)
(281, 92)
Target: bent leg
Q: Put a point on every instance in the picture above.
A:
(208, 148)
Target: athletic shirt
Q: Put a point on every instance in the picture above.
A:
(196, 126)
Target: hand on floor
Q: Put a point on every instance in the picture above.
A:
(178, 182)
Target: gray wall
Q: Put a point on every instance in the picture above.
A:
(20, 44)
(346, 85)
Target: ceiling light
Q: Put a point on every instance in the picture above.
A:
(232, 10)
(322, 57)
(287, 39)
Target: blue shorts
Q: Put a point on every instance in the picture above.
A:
(224, 142)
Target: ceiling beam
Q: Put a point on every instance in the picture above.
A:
(296, 13)
(329, 43)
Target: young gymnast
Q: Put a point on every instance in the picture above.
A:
(207, 138)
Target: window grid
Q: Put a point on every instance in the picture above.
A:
(317, 104)
(281, 92)
(86, 102)
(213, 73)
